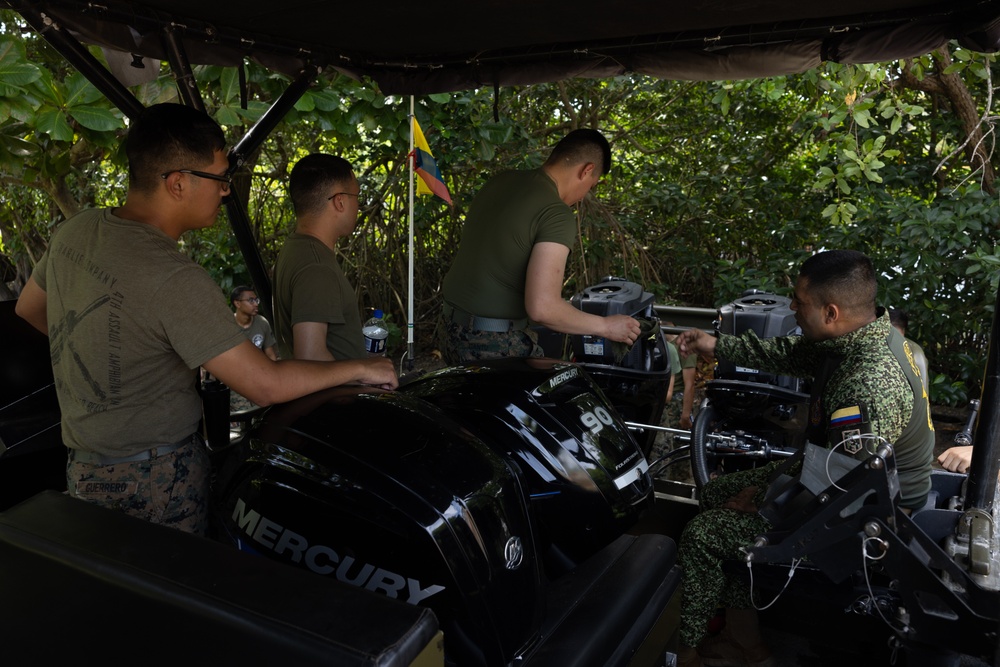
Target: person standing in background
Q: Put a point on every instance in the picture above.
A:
(315, 307)
(678, 408)
(257, 330)
(255, 327)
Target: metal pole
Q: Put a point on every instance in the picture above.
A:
(409, 314)
(257, 134)
(239, 219)
(685, 317)
(985, 465)
(181, 68)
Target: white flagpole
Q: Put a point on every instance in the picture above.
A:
(409, 321)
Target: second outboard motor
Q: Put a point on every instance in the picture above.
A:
(769, 316)
(749, 417)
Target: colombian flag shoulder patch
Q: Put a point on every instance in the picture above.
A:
(846, 416)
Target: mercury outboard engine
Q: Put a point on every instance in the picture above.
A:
(635, 380)
(749, 417)
(472, 490)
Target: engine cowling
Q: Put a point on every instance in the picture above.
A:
(465, 491)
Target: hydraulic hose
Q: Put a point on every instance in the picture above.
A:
(699, 445)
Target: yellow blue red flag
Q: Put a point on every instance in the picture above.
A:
(430, 182)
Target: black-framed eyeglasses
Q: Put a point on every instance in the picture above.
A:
(349, 194)
(224, 178)
(252, 300)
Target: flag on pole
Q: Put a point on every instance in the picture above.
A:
(430, 182)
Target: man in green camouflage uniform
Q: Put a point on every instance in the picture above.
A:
(862, 381)
(512, 259)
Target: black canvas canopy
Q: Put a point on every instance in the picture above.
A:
(446, 45)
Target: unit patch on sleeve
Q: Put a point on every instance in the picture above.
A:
(847, 426)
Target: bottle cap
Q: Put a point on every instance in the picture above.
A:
(378, 314)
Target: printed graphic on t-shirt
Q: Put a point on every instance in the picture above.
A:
(105, 393)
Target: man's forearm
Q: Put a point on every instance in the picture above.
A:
(561, 316)
(786, 355)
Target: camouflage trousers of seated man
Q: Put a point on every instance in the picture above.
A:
(172, 490)
(713, 536)
(461, 345)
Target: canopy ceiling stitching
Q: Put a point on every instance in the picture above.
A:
(465, 46)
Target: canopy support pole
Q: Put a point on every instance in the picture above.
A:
(409, 311)
(985, 466)
(187, 87)
(239, 219)
(80, 58)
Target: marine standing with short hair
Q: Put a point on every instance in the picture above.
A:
(255, 327)
(315, 308)
(510, 265)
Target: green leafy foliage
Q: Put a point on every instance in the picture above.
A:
(715, 188)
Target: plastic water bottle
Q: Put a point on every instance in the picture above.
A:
(375, 333)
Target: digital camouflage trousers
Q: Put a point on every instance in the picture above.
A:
(172, 490)
(716, 535)
(461, 345)
(665, 443)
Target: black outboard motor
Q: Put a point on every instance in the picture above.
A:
(635, 384)
(614, 296)
(749, 417)
(769, 316)
(468, 490)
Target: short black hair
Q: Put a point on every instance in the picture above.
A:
(167, 137)
(237, 293)
(314, 178)
(582, 146)
(842, 277)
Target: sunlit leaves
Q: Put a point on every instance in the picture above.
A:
(99, 119)
(53, 122)
(15, 71)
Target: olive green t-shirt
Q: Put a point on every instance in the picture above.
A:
(309, 286)
(678, 365)
(514, 211)
(130, 320)
(259, 332)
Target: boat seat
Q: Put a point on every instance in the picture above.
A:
(80, 583)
